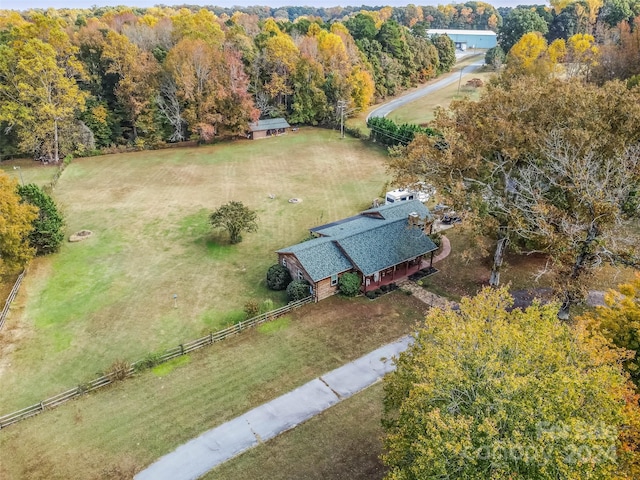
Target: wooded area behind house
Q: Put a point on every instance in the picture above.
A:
(80, 81)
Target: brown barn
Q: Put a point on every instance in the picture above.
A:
(383, 245)
(268, 127)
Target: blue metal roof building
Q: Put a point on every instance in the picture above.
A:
(467, 39)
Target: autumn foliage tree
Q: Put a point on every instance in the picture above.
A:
(524, 139)
(619, 321)
(16, 223)
(485, 392)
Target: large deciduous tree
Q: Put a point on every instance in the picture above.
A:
(619, 321)
(485, 392)
(518, 22)
(137, 72)
(37, 96)
(523, 141)
(16, 223)
(236, 218)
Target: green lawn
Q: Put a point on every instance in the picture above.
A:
(111, 297)
(119, 430)
(29, 171)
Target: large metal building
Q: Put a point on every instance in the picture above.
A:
(468, 39)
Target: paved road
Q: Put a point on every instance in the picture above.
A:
(387, 108)
(196, 457)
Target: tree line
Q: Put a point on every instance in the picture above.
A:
(610, 22)
(77, 81)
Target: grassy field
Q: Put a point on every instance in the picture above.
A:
(423, 110)
(29, 171)
(117, 431)
(111, 297)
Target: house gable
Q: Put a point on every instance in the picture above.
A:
(373, 241)
(387, 245)
(320, 258)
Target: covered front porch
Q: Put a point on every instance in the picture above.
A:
(392, 274)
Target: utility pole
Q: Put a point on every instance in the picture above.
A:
(341, 106)
(460, 79)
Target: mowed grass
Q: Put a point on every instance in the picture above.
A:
(342, 443)
(423, 110)
(111, 297)
(29, 171)
(118, 431)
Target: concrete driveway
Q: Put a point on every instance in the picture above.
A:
(387, 108)
(198, 456)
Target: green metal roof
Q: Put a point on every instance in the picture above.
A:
(268, 124)
(365, 242)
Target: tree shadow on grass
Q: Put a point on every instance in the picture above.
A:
(217, 244)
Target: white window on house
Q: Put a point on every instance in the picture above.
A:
(284, 262)
(376, 276)
(334, 280)
(300, 275)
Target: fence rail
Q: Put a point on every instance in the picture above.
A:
(165, 356)
(12, 295)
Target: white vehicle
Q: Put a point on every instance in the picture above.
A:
(421, 191)
(399, 195)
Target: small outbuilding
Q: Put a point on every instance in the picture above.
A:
(268, 127)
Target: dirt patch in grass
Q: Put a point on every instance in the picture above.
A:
(138, 420)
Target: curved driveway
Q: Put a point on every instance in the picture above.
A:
(387, 108)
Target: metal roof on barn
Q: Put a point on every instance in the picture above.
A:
(268, 124)
(376, 239)
(452, 31)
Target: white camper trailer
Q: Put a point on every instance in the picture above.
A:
(399, 195)
(422, 191)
